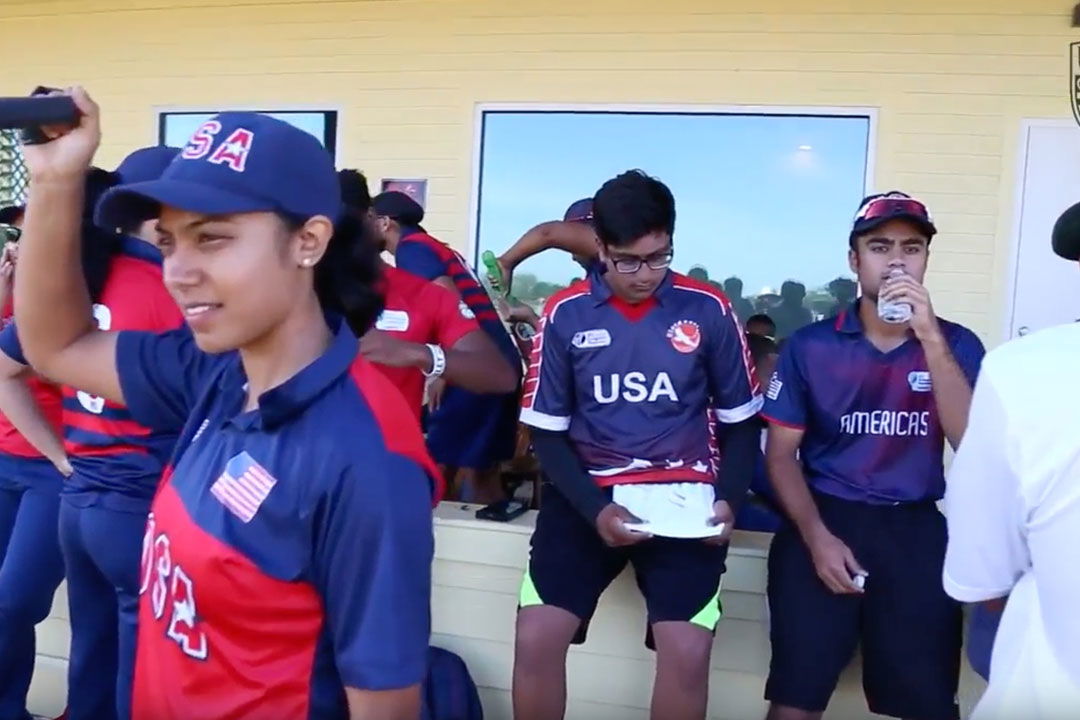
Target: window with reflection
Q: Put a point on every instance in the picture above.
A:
(764, 202)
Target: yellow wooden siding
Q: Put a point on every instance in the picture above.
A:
(952, 78)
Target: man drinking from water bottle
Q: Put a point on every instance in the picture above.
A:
(859, 408)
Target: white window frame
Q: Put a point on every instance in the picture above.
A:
(337, 111)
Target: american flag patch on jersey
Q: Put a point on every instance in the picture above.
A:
(775, 385)
(243, 486)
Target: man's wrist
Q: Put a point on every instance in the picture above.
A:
(437, 360)
(811, 530)
(934, 343)
(420, 357)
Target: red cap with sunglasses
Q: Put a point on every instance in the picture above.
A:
(876, 210)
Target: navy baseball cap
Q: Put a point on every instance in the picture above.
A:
(236, 162)
(11, 214)
(579, 211)
(146, 163)
(876, 210)
(398, 206)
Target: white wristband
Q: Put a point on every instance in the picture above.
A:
(438, 362)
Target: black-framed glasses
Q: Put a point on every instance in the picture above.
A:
(10, 233)
(656, 261)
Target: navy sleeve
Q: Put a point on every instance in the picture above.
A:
(786, 396)
(966, 348)
(371, 565)
(161, 375)
(732, 377)
(419, 259)
(9, 343)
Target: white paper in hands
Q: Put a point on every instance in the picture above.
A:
(677, 532)
(676, 510)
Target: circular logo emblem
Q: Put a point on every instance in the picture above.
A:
(685, 336)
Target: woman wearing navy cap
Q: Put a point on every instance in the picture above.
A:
(286, 560)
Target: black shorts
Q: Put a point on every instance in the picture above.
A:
(570, 567)
(909, 629)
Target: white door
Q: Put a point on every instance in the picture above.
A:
(1046, 289)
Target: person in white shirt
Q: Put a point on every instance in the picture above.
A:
(1013, 506)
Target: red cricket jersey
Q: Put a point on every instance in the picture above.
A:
(420, 311)
(47, 397)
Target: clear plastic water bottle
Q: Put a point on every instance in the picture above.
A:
(894, 312)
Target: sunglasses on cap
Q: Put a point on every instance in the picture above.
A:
(893, 206)
(9, 233)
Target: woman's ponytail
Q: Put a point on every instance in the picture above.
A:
(348, 279)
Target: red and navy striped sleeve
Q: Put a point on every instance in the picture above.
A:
(547, 400)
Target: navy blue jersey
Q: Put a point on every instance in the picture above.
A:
(634, 385)
(289, 545)
(872, 427)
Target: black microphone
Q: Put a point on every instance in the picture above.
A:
(30, 114)
(1065, 238)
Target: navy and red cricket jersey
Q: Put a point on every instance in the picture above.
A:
(634, 384)
(47, 397)
(873, 433)
(111, 452)
(423, 255)
(420, 311)
(288, 553)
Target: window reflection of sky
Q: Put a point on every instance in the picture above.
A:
(765, 197)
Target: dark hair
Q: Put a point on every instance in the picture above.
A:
(348, 279)
(399, 207)
(354, 191)
(630, 206)
(733, 285)
(843, 288)
(761, 346)
(763, 319)
(791, 289)
(98, 246)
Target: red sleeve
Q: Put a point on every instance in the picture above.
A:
(453, 319)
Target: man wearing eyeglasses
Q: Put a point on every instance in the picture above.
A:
(859, 410)
(627, 368)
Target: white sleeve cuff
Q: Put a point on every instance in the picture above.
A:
(743, 412)
(964, 593)
(554, 423)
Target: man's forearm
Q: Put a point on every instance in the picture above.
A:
(740, 445)
(793, 494)
(475, 370)
(18, 405)
(563, 467)
(952, 392)
(404, 704)
(573, 238)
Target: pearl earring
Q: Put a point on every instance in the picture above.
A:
(307, 262)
